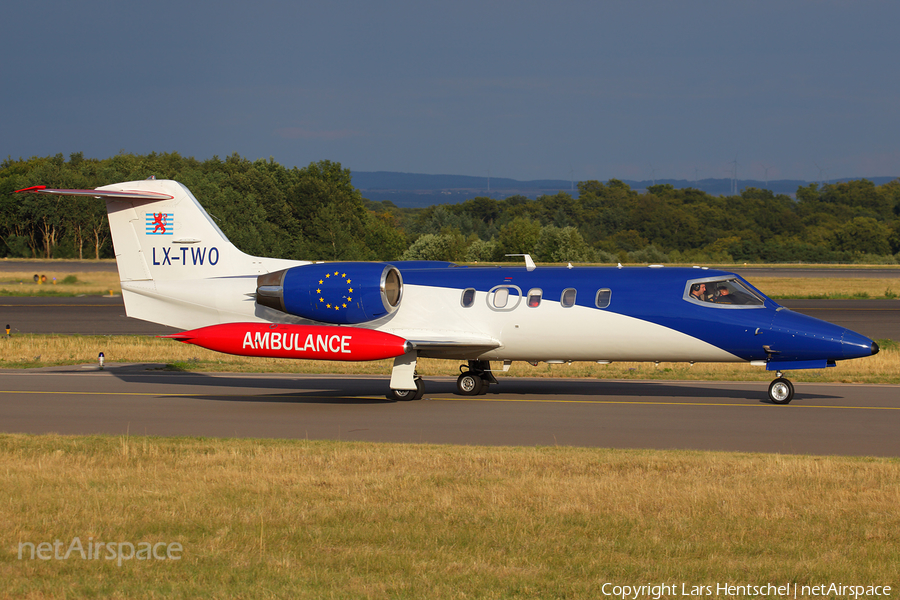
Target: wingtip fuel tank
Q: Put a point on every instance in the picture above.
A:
(317, 342)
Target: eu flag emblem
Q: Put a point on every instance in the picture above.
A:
(334, 291)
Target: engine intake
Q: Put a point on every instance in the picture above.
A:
(341, 293)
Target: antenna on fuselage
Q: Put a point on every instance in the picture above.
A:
(529, 264)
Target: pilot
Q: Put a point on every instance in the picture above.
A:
(698, 292)
(724, 295)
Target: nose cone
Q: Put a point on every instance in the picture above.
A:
(798, 337)
(857, 346)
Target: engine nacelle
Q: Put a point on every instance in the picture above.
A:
(341, 293)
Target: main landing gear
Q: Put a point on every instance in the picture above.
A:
(781, 390)
(475, 379)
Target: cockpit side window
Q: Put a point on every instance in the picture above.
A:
(724, 292)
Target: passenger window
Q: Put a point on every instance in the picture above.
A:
(534, 298)
(468, 297)
(501, 297)
(568, 298)
(603, 297)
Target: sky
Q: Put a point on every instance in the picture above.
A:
(595, 89)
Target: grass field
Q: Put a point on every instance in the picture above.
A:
(278, 519)
(834, 288)
(20, 283)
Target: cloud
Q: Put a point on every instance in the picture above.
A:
(303, 133)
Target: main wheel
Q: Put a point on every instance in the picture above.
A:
(405, 395)
(469, 384)
(781, 391)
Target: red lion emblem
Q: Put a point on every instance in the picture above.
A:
(159, 220)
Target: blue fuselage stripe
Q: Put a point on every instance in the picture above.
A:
(656, 295)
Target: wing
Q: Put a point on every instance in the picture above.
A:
(449, 346)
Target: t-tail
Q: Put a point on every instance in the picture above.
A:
(176, 266)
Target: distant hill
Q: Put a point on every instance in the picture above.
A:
(419, 190)
(387, 180)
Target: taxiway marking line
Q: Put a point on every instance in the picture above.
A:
(70, 393)
(882, 309)
(661, 403)
(30, 307)
(167, 395)
(532, 400)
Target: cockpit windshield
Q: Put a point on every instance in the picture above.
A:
(722, 292)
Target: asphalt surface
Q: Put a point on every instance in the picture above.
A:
(85, 315)
(732, 416)
(877, 319)
(849, 271)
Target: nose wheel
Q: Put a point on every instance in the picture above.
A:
(404, 395)
(781, 391)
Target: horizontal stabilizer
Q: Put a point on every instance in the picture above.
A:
(124, 195)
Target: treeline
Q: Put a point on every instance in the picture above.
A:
(263, 208)
(315, 213)
(608, 222)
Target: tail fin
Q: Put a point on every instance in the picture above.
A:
(170, 237)
(175, 264)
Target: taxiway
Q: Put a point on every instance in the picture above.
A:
(733, 416)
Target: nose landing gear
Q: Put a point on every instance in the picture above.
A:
(405, 395)
(781, 390)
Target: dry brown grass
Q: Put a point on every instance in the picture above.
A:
(354, 520)
(837, 287)
(90, 283)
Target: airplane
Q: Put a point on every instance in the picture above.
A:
(178, 269)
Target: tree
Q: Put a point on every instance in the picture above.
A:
(384, 240)
(863, 234)
(482, 251)
(861, 194)
(448, 246)
(563, 245)
(324, 192)
(519, 237)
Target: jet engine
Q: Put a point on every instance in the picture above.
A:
(340, 293)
